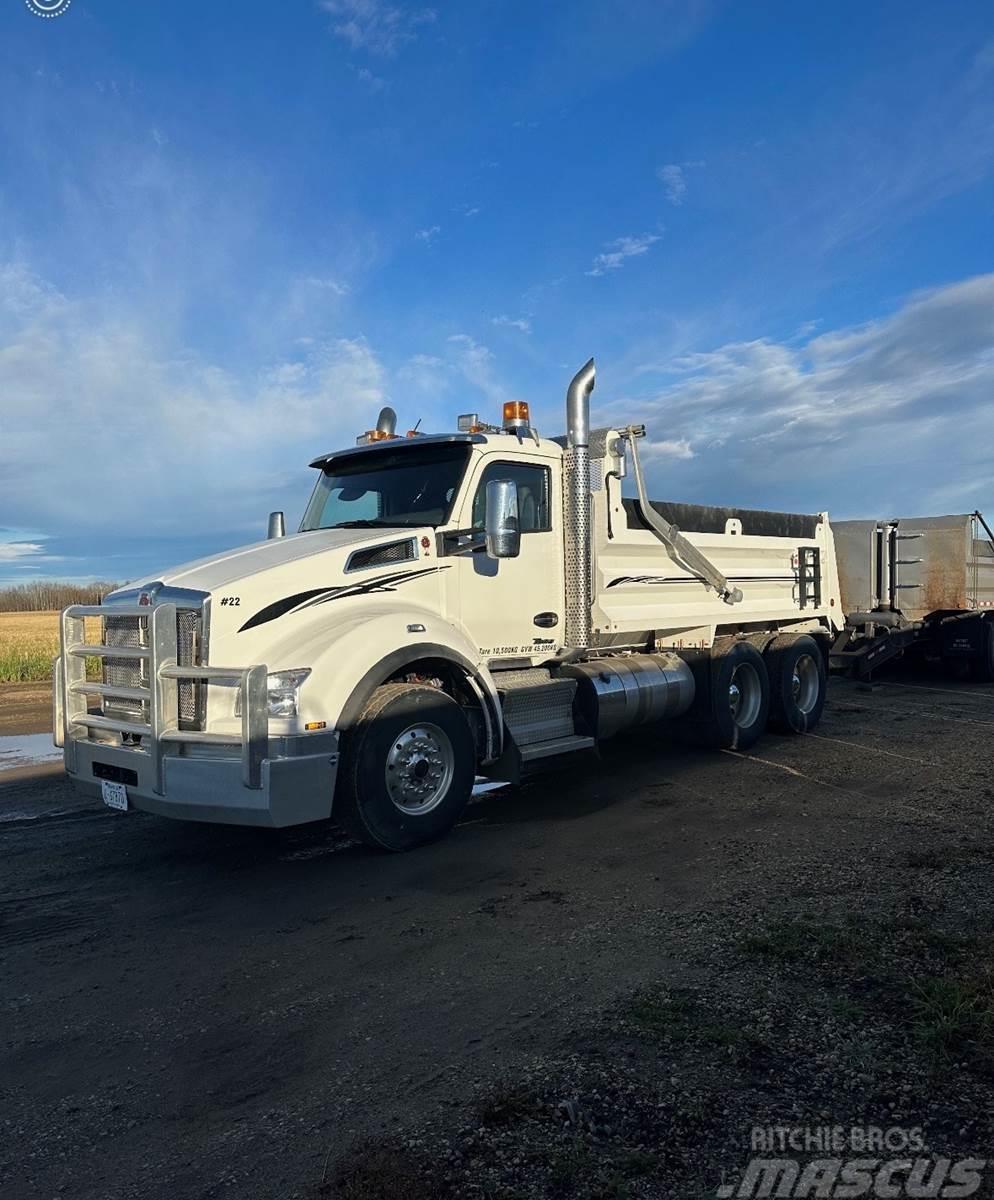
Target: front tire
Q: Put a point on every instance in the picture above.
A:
(798, 683)
(407, 770)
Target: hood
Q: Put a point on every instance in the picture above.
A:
(264, 596)
(232, 566)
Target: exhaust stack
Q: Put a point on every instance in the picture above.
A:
(577, 508)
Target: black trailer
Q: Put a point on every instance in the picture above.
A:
(921, 585)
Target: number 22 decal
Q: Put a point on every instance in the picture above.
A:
(231, 601)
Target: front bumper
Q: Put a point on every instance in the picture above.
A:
(292, 790)
(248, 778)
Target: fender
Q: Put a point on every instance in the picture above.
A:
(351, 658)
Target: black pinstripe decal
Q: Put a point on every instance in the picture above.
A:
(382, 583)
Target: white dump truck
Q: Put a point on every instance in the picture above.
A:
(454, 605)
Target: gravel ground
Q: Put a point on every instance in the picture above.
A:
(596, 987)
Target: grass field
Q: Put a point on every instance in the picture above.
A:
(28, 643)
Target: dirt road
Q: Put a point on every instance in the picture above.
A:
(205, 1012)
(25, 708)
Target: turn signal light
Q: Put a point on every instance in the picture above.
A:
(516, 415)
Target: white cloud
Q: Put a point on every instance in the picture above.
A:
(477, 365)
(181, 438)
(671, 177)
(377, 27)
(890, 415)
(674, 180)
(325, 285)
(428, 235)
(375, 83)
(653, 451)
(12, 551)
(615, 253)
(520, 323)
(426, 373)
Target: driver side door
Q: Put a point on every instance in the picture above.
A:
(513, 608)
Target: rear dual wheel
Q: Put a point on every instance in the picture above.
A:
(733, 703)
(798, 683)
(746, 691)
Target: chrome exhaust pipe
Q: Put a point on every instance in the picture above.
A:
(576, 503)
(277, 525)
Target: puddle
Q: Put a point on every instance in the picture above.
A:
(27, 750)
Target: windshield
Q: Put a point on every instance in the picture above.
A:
(408, 487)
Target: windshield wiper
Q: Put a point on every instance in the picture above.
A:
(373, 523)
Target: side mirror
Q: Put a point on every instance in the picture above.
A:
(277, 525)
(501, 523)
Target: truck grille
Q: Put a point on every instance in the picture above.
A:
(133, 672)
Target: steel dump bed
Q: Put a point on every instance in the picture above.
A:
(929, 564)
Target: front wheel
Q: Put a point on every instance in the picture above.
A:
(407, 770)
(798, 683)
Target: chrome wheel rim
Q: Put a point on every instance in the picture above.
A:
(806, 684)
(419, 769)
(745, 695)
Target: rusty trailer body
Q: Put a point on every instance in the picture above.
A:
(916, 583)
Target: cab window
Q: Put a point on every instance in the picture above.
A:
(533, 495)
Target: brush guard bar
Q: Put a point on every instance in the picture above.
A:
(71, 688)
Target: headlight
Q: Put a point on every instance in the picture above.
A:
(281, 691)
(282, 688)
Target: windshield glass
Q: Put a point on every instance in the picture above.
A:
(406, 487)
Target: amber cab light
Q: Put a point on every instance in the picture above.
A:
(516, 415)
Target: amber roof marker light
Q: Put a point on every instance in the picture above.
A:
(516, 415)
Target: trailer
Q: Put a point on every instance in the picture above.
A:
(922, 586)
(475, 602)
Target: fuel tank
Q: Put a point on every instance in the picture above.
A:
(624, 690)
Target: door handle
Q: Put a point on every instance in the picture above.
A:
(546, 620)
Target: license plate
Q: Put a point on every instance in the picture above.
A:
(115, 795)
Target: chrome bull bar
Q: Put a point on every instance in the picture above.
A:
(71, 689)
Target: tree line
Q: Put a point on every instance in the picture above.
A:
(43, 596)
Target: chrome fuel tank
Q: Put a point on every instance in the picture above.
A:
(623, 690)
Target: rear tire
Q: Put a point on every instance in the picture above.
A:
(732, 712)
(798, 683)
(407, 769)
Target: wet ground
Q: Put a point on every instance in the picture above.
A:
(27, 750)
(205, 1012)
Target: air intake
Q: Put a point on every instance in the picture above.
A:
(380, 556)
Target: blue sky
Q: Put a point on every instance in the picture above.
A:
(229, 233)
